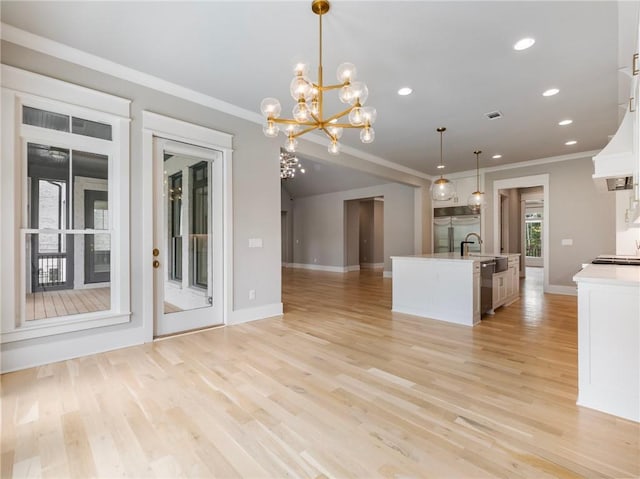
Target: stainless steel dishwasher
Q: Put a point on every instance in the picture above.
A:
(487, 268)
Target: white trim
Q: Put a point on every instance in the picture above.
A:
(387, 274)
(562, 289)
(155, 125)
(55, 49)
(521, 164)
(321, 267)
(28, 355)
(525, 182)
(252, 314)
(355, 267)
(65, 92)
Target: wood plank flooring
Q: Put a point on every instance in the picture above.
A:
(64, 302)
(338, 387)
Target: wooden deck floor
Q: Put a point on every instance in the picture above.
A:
(52, 304)
(338, 387)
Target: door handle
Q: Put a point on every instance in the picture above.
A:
(156, 263)
(156, 251)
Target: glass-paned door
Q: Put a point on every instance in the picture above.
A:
(188, 226)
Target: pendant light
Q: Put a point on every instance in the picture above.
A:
(442, 189)
(477, 200)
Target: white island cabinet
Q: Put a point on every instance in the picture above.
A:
(609, 339)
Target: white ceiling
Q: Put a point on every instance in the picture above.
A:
(457, 56)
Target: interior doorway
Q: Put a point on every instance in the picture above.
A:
(520, 224)
(364, 234)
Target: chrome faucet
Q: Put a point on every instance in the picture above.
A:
(464, 248)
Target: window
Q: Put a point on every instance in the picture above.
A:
(68, 209)
(533, 234)
(199, 223)
(175, 226)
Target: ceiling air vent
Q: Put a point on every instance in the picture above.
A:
(493, 115)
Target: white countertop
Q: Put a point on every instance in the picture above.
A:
(456, 256)
(609, 274)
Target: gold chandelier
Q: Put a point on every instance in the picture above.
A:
(308, 113)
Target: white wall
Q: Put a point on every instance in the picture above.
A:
(319, 225)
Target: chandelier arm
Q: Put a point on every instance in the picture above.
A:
(331, 137)
(307, 130)
(330, 87)
(348, 125)
(287, 121)
(340, 115)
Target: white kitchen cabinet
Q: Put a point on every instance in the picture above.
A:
(609, 339)
(506, 284)
(476, 293)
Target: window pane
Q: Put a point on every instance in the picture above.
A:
(45, 119)
(175, 226)
(69, 282)
(199, 223)
(91, 185)
(94, 129)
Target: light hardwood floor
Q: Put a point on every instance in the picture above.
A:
(339, 387)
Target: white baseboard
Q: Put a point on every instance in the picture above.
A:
(321, 267)
(561, 289)
(371, 265)
(51, 349)
(387, 274)
(354, 267)
(251, 314)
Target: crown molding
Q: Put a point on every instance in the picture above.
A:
(521, 164)
(64, 52)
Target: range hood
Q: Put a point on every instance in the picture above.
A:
(615, 162)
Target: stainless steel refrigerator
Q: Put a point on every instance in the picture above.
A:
(450, 227)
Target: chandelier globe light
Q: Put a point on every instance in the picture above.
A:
(308, 113)
(477, 199)
(442, 189)
(289, 164)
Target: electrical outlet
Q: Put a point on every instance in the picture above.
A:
(252, 294)
(315, 260)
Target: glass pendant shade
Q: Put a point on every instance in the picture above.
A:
(271, 130)
(369, 115)
(336, 131)
(300, 88)
(442, 190)
(367, 135)
(346, 72)
(476, 201)
(334, 148)
(346, 94)
(355, 116)
(301, 112)
(290, 145)
(301, 69)
(359, 93)
(270, 108)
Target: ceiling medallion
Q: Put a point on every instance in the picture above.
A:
(308, 113)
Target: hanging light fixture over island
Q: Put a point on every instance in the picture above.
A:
(442, 189)
(477, 201)
(308, 113)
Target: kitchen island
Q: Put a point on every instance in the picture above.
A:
(446, 286)
(609, 339)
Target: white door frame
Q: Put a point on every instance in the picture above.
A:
(525, 182)
(154, 125)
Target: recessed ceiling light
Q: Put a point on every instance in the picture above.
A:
(524, 44)
(571, 142)
(565, 122)
(404, 91)
(496, 157)
(440, 167)
(551, 92)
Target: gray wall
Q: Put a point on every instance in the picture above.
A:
(366, 232)
(319, 224)
(378, 231)
(577, 211)
(352, 228)
(256, 181)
